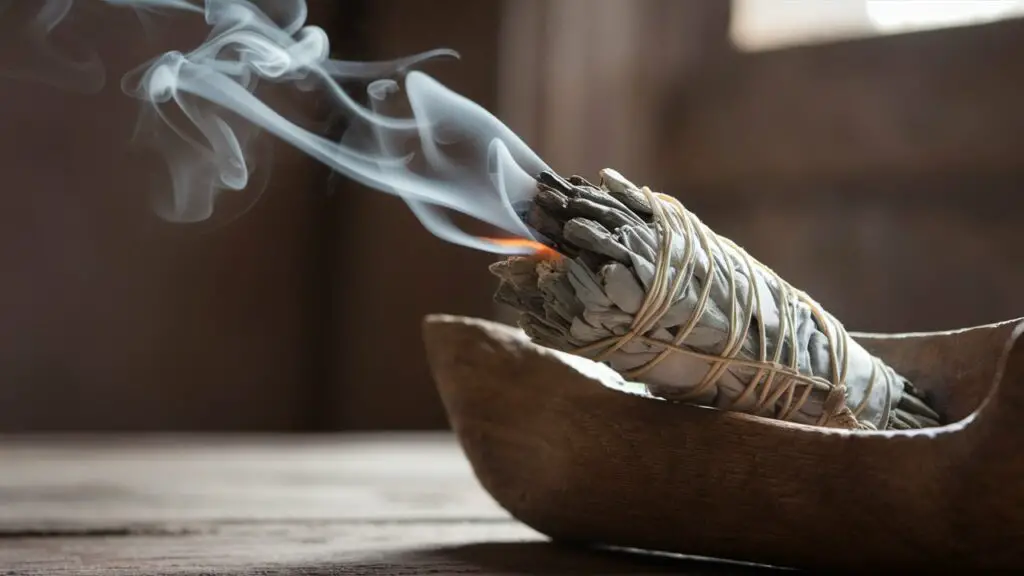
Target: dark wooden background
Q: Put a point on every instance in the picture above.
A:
(882, 175)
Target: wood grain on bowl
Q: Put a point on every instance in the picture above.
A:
(581, 461)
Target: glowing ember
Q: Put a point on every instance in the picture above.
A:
(539, 249)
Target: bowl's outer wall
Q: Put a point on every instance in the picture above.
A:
(580, 462)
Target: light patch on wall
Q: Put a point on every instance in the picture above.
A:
(768, 24)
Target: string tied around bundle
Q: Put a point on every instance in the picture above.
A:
(776, 379)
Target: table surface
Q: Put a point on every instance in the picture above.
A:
(303, 505)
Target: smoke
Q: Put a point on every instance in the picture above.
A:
(28, 52)
(416, 139)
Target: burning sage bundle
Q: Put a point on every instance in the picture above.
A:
(642, 284)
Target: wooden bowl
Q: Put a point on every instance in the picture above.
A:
(559, 443)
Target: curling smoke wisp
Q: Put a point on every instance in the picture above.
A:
(28, 53)
(415, 138)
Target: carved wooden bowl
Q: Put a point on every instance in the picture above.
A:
(561, 445)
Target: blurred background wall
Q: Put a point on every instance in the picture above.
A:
(867, 152)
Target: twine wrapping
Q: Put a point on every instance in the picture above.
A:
(648, 288)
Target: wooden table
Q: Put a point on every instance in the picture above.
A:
(303, 505)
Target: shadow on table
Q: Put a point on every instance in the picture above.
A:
(553, 558)
(510, 558)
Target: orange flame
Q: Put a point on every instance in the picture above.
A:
(538, 249)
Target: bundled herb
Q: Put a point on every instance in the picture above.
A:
(644, 285)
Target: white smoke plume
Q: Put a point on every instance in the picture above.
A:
(417, 139)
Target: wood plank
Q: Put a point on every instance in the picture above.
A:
(100, 484)
(885, 255)
(358, 549)
(298, 505)
(583, 81)
(938, 102)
